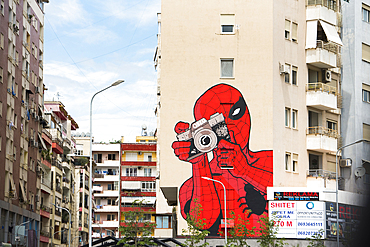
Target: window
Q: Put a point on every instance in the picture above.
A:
(287, 117)
(314, 161)
(110, 186)
(2, 8)
(294, 75)
(366, 52)
(287, 74)
(2, 41)
(148, 186)
(365, 93)
(365, 13)
(227, 23)
(147, 172)
(332, 125)
(366, 132)
(131, 172)
(294, 32)
(287, 161)
(287, 29)
(294, 118)
(111, 156)
(149, 158)
(295, 163)
(1, 109)
(1, 74)
(111, 217)
(227, 68)
(163, 221)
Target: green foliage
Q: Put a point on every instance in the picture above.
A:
(267, 232)
(194, 231)
(135, 230)
(237, 236)
(316, 240)
(81, 161)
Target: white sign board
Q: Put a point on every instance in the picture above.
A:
(297, 219)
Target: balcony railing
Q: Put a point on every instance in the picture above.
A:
(96, 175)
(46, 182)
(57, 236)
(45, 234)
(58, 189)
(45, 208)
(319, 86)
(320, 173)
(330, 4)
(319, 130)
(331, 47)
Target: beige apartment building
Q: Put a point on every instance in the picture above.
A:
(272, 69)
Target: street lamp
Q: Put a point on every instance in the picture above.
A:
(207, 178)
(54, 234)
(77, 237)
(336, 181)
(70, 223)
(17, 229)
(90, 178)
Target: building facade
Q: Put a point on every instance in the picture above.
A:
(21, 115)
(254, 102)
(106, 189)
(138, 177)
(356, 91)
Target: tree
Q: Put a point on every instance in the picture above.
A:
(268, 231)
(136, 230)
(238, 235)
(316, 239)
(195, 231)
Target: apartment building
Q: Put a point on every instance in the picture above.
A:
(57, 175)
(21, 119)
(356, 92)
(138, 177)
(106, 189)
(249, 95)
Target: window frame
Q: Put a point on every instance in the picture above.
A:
(294, 163)
(287, 75)
(294, 119)
(287, 117)
(365, 92)
(232, 69)
(287, 29)
(288, 161)
(294, 35)
(294, 75)
(365, 12)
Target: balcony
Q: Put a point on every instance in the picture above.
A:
(105, 177)
(46, 185)
(58, 213)
(107, 193)
(109, 163)
(322, 10)
(44, 236)
(322, 139)
(107, 223)
(58, 188)
(321, 96)
(319, 178)
(324, 55)
(45, 211)
(108, 208)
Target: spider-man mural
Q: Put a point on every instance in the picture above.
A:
(217, 146)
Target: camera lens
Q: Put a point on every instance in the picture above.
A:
(205, 140)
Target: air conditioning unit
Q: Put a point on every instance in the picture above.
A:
(36, 144)
(284, 69)
(345, 163)
(326, 75)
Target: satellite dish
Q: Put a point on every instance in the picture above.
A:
(87, 133)
(82, 134)
(360, 171)
(143, 127)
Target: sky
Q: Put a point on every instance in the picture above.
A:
(88, 45)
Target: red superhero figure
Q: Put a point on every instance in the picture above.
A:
(216, 145)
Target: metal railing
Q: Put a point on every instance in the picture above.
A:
(45, 208)
(319, 130)
(329, 46)
(322, 87)
(45, 233)
(330, 4)
(46, 182)
(58, 188)
(320, 173)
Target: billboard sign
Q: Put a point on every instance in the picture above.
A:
(296, 196)
(297, 219)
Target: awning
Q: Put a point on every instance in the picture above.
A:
(171, 195)
(42, 141)
(131, 185)
(311, 36)
(331, 33)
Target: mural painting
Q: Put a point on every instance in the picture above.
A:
(216, 144)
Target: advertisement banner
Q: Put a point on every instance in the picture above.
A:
(297, 219)
(296, 196)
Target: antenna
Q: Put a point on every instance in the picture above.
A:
(58, 95)
(143, 130)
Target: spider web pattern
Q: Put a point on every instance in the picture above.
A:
(249, 174)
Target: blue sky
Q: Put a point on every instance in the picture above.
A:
(90, 44)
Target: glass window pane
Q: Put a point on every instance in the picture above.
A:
(165, 222)
(227, 68)
(159, 222)
(227, 28)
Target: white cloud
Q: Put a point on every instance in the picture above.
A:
(66, 12)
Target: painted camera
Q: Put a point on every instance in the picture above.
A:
(205, 135)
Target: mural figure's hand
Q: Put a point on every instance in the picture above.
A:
(182, 148)
(226, 153)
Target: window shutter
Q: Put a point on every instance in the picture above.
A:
(366, 132)
(366, 52)
(365, 87)
(287, 25)
(294, 31)
(227, 19)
